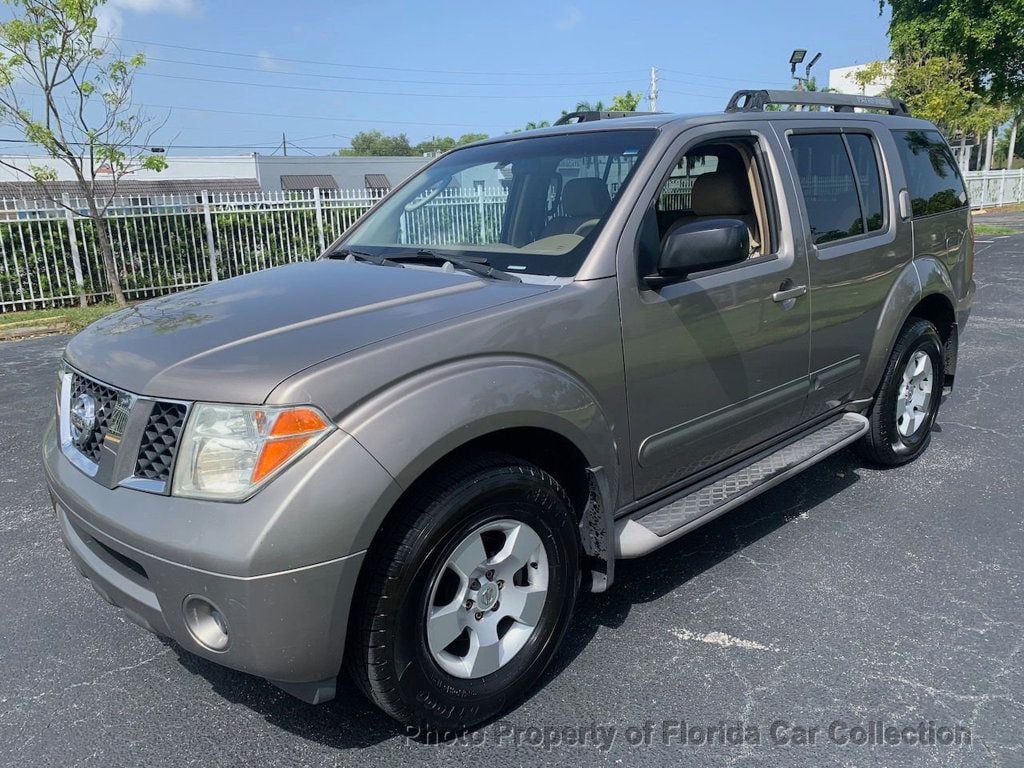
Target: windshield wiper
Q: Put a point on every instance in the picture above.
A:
(350, 255)
(476, 265)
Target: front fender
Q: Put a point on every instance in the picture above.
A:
(410, 426)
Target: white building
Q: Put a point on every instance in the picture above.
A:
(841, 80)
(226, 174)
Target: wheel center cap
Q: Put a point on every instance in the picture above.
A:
(487, 596)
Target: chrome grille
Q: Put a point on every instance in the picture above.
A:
(107, 402)
(160, 441)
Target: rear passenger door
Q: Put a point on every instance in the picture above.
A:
(855, 247)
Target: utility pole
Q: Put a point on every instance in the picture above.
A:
(284, 145)
(653, 97)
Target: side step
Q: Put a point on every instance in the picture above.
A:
(653, 528)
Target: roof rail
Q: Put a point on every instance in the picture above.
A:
(757, 100)
(588, 116)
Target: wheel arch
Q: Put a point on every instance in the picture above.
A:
(528, 409)
(923, 289)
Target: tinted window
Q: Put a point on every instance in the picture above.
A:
(865, 161)
(828, 184)
(932, 176)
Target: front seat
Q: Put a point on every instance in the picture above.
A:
(719, 195)
(583, 200)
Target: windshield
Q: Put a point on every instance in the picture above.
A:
(527, 206)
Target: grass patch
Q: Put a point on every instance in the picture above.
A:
(76, 318)
(994, 229)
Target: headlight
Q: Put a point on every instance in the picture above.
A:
(228, 451)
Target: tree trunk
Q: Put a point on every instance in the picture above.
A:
(989, 146)
(965, 162)
(107, 252)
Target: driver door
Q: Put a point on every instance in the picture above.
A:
(715, 363)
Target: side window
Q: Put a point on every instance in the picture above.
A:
(828, 184)
(676, 194)
(865, 162)
(933, 180)
(722, 178)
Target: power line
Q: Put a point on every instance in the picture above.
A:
(264, 57)
(415, 123)
(313, 89)
(184, 146)
(322, 76)
(744, 80)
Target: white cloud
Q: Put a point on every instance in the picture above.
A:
(571, 18)
(268, 63)
(110, 17)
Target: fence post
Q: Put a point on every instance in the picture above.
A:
(209, 235)
(480, 206)
(76, 259)
(319, 219)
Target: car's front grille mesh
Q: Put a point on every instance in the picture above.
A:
(105, 401)
(160, 441)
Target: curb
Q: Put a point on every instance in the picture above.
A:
(25, 331)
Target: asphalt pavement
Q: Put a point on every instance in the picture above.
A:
(803, 624)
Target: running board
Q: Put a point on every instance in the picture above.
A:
(654, 528)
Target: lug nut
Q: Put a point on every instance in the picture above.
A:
(490, 575)
(474, 584)
(501, 583)
(469, 604)
(496, 606)
(479, 615)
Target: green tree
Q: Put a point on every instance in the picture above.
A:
(68, 90)
(375, 143)
(625, 102)
(586, 106)
(445, 143)
(987, 36)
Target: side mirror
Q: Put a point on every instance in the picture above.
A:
(699, 246)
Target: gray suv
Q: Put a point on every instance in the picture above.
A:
(407, 457)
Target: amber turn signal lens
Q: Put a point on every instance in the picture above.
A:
(292, 431)
(296, 422)
(277, 452)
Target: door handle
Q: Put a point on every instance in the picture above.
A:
(789, 293)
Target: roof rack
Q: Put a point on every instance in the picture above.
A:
(588, 116)
(756, 101)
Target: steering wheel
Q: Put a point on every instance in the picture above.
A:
(584, 229)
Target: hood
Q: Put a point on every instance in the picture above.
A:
(235, 340)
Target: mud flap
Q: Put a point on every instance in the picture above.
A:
(597, 528)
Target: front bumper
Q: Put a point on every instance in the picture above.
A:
(286, 624)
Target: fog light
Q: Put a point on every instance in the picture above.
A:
(206, 623)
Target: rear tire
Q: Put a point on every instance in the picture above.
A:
(908, 398)
(459, 540)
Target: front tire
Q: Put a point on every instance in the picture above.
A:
(908, 398)
(467, 596)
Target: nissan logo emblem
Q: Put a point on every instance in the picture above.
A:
(83, 417)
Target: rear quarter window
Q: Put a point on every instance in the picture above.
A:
(933, 180)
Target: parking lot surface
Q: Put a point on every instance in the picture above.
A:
(845, 598)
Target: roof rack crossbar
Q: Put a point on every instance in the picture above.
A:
(757, 100)
(589, 115)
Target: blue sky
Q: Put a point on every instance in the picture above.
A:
(448, 67)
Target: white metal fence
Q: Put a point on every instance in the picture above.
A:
(49, 255)
(986, 189)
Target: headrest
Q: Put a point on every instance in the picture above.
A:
(585, 198)
(720, 194)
